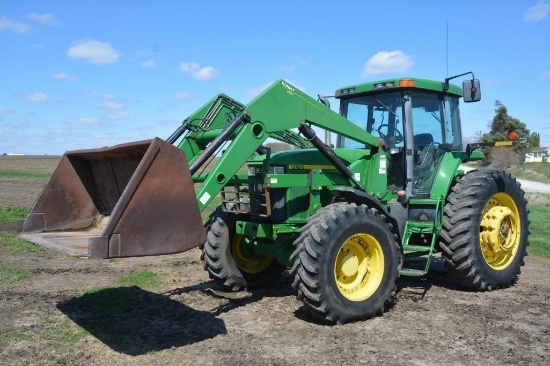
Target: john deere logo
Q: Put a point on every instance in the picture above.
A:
(289, 89)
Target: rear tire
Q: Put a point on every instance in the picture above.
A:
(485, 230)
(345, 263)
(226, 264)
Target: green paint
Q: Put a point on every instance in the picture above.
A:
(304, 178)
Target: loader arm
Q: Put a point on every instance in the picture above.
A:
(208, 122)
(281, 107)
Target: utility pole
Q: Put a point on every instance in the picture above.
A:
(480, 134)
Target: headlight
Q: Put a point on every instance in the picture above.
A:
(251, 171)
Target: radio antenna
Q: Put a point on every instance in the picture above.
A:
(447, 49)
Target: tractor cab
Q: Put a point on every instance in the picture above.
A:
(417, 120)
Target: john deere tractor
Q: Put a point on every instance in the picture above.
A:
(343, 215)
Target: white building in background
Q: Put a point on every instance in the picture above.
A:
(538, 155)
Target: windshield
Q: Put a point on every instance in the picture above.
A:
(380, 115)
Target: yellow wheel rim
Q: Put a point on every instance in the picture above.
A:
(500, 231)
(246, 263)
(359, 267)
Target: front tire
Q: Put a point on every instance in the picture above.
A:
(485, 230)
(227, 264)
(345, 263)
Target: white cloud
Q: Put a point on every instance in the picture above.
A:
(188, 67)
(537, 12)
(101, 95)
(182, 95)
(131, 100)
(16, 27)
(148, 63)
(5, 110)
(117, 115)
(545, 75)
(205, 73)
(94, 52)
(113, 105)
(44, 19)
(64, 76)
(36, 97)
(83, 121)
(387, 62)
(197, 71)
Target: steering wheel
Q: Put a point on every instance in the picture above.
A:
(398, 136)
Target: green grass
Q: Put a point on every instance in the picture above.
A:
(210, 208)
(9, 274)
(64, 335)
(14, 336)
(4, 174)
(540, 231)
(538, 172)
(13, 213)
(143, 278)
(11, 244)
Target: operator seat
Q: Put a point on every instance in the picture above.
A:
(422, 140)
(426, 152)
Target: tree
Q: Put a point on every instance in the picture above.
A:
(535, 139)
(501, 125)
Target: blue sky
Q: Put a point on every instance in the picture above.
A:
(85, 74)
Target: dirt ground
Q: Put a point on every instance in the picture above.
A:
(52, 317)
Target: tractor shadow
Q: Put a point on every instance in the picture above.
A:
(134, 321)
(416, 288)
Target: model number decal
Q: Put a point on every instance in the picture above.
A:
(310, 167)
(296, 167)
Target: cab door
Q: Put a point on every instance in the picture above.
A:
(435, 131)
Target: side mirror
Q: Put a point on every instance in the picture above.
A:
(471, 90)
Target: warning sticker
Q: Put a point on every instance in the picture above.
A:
(382, 169)
(204, 198)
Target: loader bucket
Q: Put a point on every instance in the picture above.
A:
(134, 199)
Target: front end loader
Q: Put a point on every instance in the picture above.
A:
(344, 216)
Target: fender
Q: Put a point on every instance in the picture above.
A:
(359, 197)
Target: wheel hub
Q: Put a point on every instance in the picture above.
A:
(350, 264)
(248, 263)
(359, 267)
(500, 231)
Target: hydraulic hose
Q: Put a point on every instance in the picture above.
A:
(216, 143)
(329, 154)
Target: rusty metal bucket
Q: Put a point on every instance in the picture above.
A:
(133, 199)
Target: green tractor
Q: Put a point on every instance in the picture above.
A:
(343, 215)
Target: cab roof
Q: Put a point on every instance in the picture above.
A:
(396, 84)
